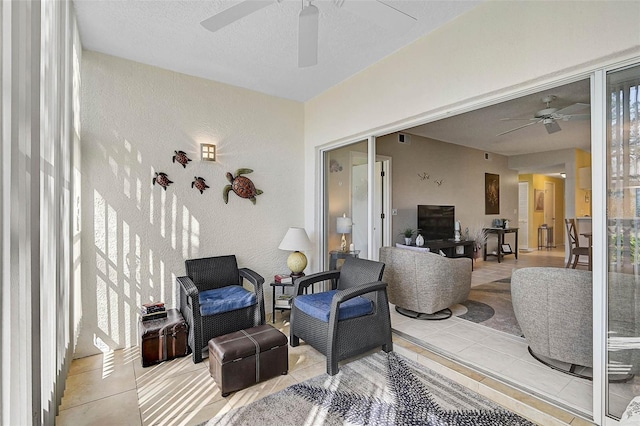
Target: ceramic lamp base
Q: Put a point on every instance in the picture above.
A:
(297, 261)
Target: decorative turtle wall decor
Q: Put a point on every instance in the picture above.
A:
(162, 179)
(199, 184)
(241, 185)
(181, 157)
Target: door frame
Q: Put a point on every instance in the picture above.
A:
(385, 200)
(525, 232)
(550, 209)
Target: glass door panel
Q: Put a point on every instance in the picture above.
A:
(346, 201)
(623, 236)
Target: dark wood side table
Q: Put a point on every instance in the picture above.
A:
(499, 232)
(280, 307)
(284, 306)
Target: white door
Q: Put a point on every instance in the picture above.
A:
(381, 220)
(523, 215)
(550, 207)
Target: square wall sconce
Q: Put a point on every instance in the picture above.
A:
(207, 152)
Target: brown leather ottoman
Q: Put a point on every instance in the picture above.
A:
(240, 359)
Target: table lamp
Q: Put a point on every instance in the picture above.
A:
(344, 227)
(296, 239)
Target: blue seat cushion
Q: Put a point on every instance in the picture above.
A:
(225, 299)
(318, 305)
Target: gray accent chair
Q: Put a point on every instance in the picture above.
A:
(425, 285)
(344, 338)
(553, 307)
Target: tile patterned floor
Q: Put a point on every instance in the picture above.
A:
(113, 388)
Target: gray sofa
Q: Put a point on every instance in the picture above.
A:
(553, 307)
(425, 285)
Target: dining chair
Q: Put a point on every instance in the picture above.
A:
(575, 250)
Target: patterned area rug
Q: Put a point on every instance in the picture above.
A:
(490, 305)
(379, 389)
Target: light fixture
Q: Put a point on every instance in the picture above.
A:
(207, 152)
(344, 227)
(563, 175)
(296, 239)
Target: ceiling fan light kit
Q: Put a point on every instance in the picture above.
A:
(308, 36)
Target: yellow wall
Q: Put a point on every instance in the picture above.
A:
(536, 218)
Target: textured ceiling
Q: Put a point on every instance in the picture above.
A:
(258, 52)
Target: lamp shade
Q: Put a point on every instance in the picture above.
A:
(296, 239)
(344, 225)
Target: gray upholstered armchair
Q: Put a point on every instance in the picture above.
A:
(553, 307)
(425, 285)
(351, 318)
(213, 301)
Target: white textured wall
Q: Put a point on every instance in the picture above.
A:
(136, 236)
(493, 50)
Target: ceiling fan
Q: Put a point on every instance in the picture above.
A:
(549, 116)
(376, 11)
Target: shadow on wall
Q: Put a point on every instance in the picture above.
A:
(140, 233)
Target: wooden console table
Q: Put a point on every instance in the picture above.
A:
(499, 232)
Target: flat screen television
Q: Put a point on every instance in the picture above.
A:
(436, 222)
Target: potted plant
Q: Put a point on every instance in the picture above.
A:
(407, 233)
(479, 236)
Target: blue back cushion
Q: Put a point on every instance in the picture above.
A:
(225, 299)
(318, 305)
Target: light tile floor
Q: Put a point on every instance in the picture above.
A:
(113, 388)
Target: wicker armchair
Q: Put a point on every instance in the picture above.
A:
(355, 312)
(211, 275)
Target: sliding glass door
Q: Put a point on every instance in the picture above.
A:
(623, 239)
(346, 199)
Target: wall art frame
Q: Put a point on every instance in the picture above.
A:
(538, 200)
(491, 193)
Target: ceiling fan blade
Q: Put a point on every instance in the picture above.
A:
(552, 127)
(518, 128)
(378, 12)
(308, 36)
(520, 119)
(232, 14)
(571, 109)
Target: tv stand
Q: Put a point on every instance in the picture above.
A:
(452, 248)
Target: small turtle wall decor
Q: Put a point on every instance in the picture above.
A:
(199, 184)
(162, 179)
(181, 158)
(241, 185)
